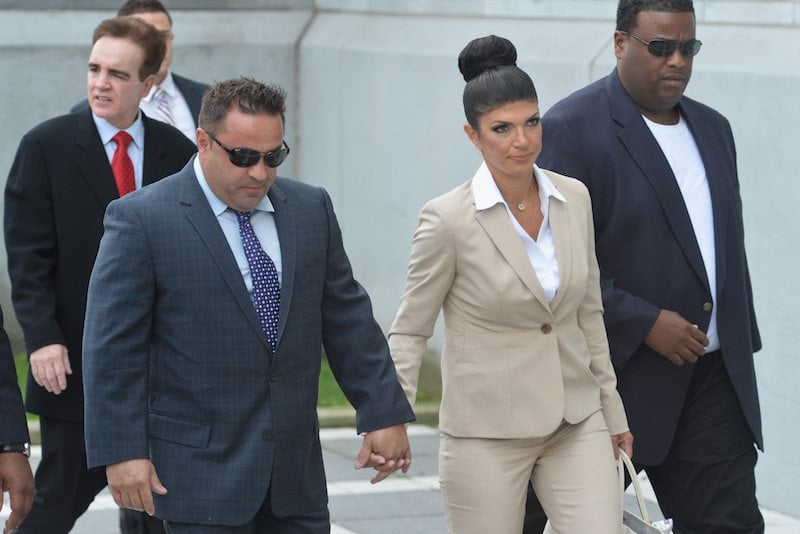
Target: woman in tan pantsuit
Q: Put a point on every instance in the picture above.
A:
(529, 392)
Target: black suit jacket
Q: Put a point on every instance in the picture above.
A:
(647, 251)
(191, 90)
(13, 426)
(56, 195)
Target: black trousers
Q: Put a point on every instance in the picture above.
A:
(706, 484)
(64, 486)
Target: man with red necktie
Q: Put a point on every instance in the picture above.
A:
(65, 173)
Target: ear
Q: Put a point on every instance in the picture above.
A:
(202, 139)
(619, 44)
(148, 84)
(473, 135)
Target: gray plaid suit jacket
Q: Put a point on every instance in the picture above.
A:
(178, 370)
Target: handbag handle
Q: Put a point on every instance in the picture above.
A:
(626, 464)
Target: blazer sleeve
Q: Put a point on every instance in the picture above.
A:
(30, 235)
(628, 318)
(354, 343)
(116, 341)
(431, 272)
(590, 319)
(13, 426)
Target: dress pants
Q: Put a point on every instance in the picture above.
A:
(264, 522)
(706, 484)
(484, 481)
(64, 486)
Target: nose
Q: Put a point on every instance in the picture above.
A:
(520, 138)
(676, 59)
(260, 171)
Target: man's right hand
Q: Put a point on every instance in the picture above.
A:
(676, 339)
(50, 367)
(132, 484)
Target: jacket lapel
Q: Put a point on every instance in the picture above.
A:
(560, 228)
(287, 235)
(92, 160)
(643, 148)
(710, 151)
(205, 223)
(495, 222)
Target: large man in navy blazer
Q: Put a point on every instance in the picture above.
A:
(57, 191)
(190, 395)
(661, 170)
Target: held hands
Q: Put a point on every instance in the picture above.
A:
(132, 482)
(676, 339)
(385, 450)
(50, 367)
(622, 441)
(17, 479)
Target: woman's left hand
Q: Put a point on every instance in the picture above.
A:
(622, 441)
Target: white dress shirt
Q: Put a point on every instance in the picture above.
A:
(181, 114)
(135, 149)
(542, 251)
(262, 219)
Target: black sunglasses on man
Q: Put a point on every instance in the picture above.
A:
(666, 47)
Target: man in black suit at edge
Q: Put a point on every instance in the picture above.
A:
(15, 470)
(64, 174)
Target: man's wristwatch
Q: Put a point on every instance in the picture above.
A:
(24, 448)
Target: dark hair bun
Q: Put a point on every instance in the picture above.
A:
(485, 53)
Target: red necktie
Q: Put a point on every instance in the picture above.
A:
(121, 164)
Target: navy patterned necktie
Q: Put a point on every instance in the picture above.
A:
(266, 289)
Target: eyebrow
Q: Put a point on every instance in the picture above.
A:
(116, 72)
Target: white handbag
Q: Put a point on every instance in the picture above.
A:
(632, 523)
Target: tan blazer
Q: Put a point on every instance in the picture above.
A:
(513, 365)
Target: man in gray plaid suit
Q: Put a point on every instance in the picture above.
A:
(199, 412)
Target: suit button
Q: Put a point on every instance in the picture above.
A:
(273, 377)
(707, 306)
(546, 328)
(266, 434)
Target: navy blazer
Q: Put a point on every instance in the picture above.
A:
(647, 251)
(177, 368)
(56, 194)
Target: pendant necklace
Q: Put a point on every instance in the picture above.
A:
(521, 205)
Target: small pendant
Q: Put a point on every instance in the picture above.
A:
(521, 206)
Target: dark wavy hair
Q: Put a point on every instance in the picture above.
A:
(489, 66)
(628, 10)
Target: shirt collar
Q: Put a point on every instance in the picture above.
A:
(108, 130)
(168, 85)
(486, 193)
(218, 207)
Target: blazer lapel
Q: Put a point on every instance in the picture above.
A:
(205, 223)
(560, 228)
(495, 222)
(287, 235)
(155, 165)
(93, 162)
(710, 151)
(643, 148)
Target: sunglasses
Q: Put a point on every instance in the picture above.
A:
(666, 47)
(247, 157)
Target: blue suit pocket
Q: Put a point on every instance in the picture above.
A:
(177, 430)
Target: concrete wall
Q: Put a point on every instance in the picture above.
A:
(376, 118)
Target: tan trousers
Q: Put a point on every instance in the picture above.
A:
(484, 481)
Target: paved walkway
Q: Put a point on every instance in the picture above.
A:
(398, 505)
